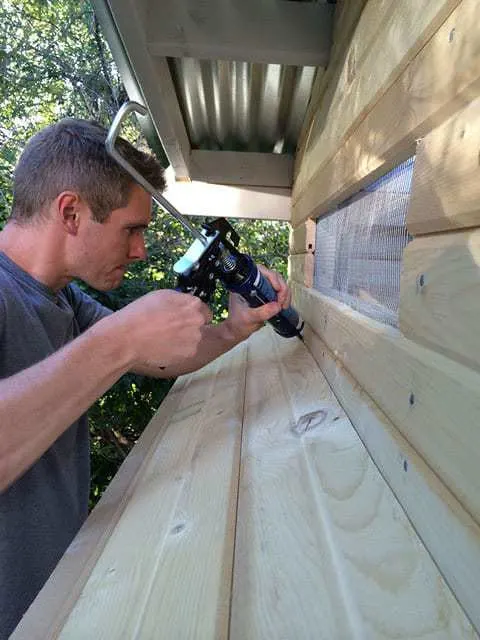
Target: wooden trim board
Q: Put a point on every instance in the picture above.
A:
(440, 294)
(250, 31)
(447, 530)
(433, 401)
(443, 77)
(301, 268)
(387, 38)
(180, 507)
(323, 550)
(302, 238)
(446, 185)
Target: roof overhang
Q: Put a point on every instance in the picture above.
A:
(226, 82)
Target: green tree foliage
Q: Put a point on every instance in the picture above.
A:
(54, 63)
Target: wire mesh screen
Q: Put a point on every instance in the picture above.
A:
(359, 247)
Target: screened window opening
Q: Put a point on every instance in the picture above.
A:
(359, 247)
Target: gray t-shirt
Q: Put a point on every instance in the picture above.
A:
(43, 510)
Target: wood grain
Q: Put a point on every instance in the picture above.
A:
(323, 549)
(301, 268)
(443, 77)
(182, 509)
(440, 294)
(388, 36)
(447, 530)
(446, 185)
(432, 400)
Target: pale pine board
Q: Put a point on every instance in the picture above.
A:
(301, 268)
(48, 612)
(432, 400)
(323, 549)
(440, 294)
(388, 36)
(446, 188)
(447, 530)
(302, 239)
(442, 77)
(167, 564)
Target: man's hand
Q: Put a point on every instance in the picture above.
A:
(162, 329)
(243, 320)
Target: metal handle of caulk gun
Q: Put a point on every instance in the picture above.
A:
(257, 290)
(125, 110)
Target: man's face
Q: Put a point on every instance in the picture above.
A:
(108, 248)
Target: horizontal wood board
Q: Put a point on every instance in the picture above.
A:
(440, 294)
(323, 549)
(432, 400)
(443, 77)
(449, 533)
(388, 36)
(446, 184)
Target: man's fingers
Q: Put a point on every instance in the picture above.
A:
(267, 311)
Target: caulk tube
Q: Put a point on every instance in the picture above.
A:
(257, 290)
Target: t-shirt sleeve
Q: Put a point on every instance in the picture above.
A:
(87, 310)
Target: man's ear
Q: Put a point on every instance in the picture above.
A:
(70, 209)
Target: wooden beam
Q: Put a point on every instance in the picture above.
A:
(228, 201)
(440, 294)
(242, 168)
(442, 77)
(323, 550)
(47, 614)
(274, 32)
(302, 238)
(447, 530)
(153, 76)
(301, 268)
(388, 37)
(433, 401)
(446, 185)
(180, 507)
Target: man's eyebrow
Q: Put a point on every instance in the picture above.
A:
(136, 225)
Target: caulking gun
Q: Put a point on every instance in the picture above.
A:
(213, 255)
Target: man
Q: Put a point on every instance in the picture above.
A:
(76, 214)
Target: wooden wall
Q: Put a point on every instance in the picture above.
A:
(408, 80)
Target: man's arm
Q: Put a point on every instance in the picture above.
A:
(242, 321)
(162, 329)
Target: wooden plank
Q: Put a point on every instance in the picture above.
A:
(301, 268)
(440, 294)
(389, 35)
(446, 529)
(347, 14)
(182, 508)
(242, 167)
(323, 549)
(280, 33)
(228, 201)
(48, 612)
(302, 238)
(432, 400)
(444, 76)
(446, 188)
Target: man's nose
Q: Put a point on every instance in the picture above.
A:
(137, 250)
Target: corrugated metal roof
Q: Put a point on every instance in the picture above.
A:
(241, 106)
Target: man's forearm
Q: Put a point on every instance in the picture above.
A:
(216, 340)
(39, 403)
